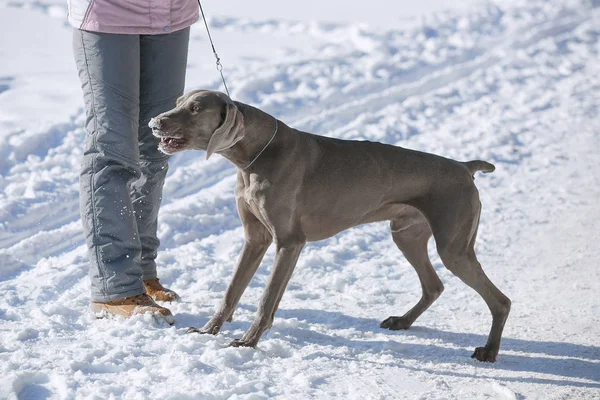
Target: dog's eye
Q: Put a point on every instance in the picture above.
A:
(195, 108)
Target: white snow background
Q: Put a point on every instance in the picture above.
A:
(513, 82)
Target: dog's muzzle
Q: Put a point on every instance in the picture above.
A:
(169, 143)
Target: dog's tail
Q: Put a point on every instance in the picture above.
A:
(478, 165)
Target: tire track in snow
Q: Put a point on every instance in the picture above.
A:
(435, 78)
(41, 193)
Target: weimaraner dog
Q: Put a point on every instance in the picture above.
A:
(294, 187)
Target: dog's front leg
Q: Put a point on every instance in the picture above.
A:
(258, 240)
(250, 259)
(248, 263)
(285, 261)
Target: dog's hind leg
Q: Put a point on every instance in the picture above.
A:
(411, 233)
(455, 234)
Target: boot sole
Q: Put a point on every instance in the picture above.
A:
(101, 312)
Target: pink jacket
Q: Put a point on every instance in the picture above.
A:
(142, 17)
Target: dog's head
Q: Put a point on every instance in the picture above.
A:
(201, 120)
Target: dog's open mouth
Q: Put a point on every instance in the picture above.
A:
(171, 144)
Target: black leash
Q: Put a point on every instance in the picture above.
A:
(219, 65)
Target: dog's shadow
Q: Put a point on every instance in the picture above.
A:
(561, 359)
(556, 359)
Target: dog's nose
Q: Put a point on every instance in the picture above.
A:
(155, 123)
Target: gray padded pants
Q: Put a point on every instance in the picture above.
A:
(126, 80)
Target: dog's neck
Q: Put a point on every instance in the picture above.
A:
(260, 128)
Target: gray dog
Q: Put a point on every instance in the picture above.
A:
(294, 187)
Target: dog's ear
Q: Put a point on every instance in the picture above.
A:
(229, 133)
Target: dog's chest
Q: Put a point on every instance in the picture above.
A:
(253, 192)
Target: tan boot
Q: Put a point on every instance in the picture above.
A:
(134, 305)
(158, 292)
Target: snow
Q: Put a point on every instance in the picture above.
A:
(515, 82)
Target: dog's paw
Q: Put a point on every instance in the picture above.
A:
(203, 331)
(242, 343)
(484, 354)
(395, 323)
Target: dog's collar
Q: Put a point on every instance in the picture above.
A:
(264, 148)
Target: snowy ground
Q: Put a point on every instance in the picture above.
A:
(513, 82)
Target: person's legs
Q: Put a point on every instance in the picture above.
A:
(109, 69)
(162, 79)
